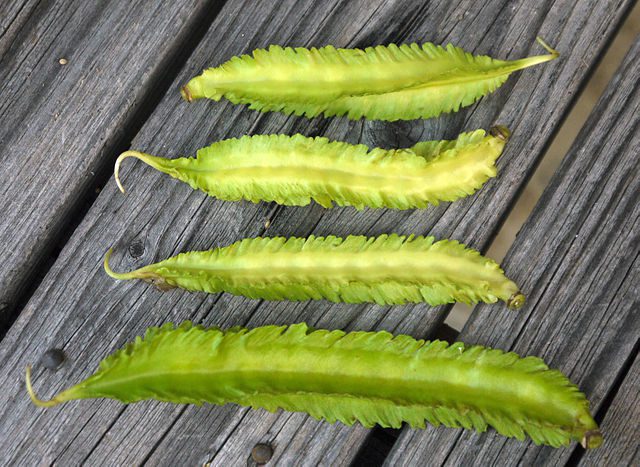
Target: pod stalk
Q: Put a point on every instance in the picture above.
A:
(146, 158)
(552, 54)
(111, 272)
(34, 398)
(536, 59)
(547, 47)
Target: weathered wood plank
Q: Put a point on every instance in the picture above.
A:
(61, 124)
(14, 16)
(578, 258)
(78, 308)
(621, 425)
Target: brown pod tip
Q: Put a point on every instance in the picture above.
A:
(500, 131)
(591, 439)
(516, 300)
(186, 94)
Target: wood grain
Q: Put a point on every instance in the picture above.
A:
(578, 256)
(61, 123)
(81, 310)
(13, 19)
(621, 425)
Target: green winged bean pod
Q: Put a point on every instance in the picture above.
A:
(366, 377)
(293, 170)
(389, 269)
(379, 83)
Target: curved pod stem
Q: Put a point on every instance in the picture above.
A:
(157, 163)
(70, 394)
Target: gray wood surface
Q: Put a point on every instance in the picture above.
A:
(78, 308)
(60, 124)
(621, 425)
(578, 258)
(13, 19)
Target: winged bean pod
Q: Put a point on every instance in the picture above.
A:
(389, 269)
(366, 377)
(293, 170)
(379, 83)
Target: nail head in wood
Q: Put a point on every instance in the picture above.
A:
(136, 249)
(261, 453)
(52, 359)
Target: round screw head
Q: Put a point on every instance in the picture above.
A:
(261, 453)
(52, 359)
(136, 249)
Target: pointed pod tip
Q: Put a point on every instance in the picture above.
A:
(34, 398)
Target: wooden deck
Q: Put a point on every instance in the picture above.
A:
(62, 126)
